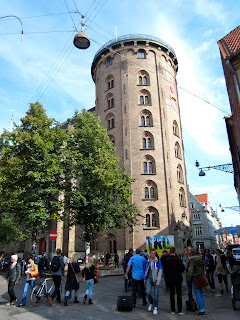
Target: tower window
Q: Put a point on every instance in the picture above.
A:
(141, 54)
(109, 61)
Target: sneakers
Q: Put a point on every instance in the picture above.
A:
(155, 311)
(173, 312)
(201, 313)
(50, 301)
(150, 307)
(9, 304)
(181, 313)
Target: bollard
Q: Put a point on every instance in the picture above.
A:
(97, 272)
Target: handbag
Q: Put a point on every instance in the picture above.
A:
(77, 275)
(95, 280)
(201, 281)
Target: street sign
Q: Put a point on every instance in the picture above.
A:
(53, 235)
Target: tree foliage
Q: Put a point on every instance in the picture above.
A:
(97, 188)
(40, 161)
(30, 171)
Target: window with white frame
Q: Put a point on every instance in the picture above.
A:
(198, 231)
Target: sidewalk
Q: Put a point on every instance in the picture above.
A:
(104, 307)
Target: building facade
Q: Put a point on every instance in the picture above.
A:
(204, 222)
(230, 55)
(137, 102)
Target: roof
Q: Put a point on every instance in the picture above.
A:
(230, 44)
(203, 198)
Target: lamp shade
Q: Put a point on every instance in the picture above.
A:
(81, 40)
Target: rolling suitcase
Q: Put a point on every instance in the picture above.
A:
(124, 303)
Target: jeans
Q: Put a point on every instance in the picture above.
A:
(149, 285)
(11, 292)
(89, 290)
(178, 288)
(25, 290)
(189, 286)
(135, 288)
(57, 283)
(199, 297)
(210, 276)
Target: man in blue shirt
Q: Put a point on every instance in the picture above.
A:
(137, 263)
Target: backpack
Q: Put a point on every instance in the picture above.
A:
(55, 264)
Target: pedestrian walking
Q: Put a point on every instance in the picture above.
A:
(196, 268)
(174, 270)
(152, 277)
(41, 265)
(13, 275)
(57, 267)
(163, 260)
(128, 281)
(186, 259)
(209, 264)
(31, 274)
(89, 274)
(72, 281)
(137, 263)
(107, 259)
(116, 258)
(221, 269)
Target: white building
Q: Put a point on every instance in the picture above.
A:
(204, 222)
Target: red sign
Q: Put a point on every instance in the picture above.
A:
(53, 235)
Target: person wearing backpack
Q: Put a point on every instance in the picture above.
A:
(57, 267)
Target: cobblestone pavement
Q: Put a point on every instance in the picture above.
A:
(104, 305)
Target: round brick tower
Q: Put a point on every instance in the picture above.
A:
(137, 102)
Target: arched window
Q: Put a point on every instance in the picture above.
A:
(175, 128)
(145, 97)
(141, 54)
(147, 141)
(145, 118)
(150, 190)
(182, 197)
(109, 82)
(152, 218)
(178, 151)
(180, 174)
(148, 165)
(143, 78)
(110, 101)
(110, 121)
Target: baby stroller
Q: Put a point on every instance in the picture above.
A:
(235, 277)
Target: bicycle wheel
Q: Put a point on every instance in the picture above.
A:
(37, 295)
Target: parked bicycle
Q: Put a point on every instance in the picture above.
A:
(41, 292)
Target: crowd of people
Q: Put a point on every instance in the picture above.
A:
(143, 273)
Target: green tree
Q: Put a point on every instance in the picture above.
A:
(30, 175)
(97, 188)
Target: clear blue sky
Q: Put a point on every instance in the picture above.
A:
(45, 66)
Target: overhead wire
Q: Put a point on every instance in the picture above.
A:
(58, 64)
